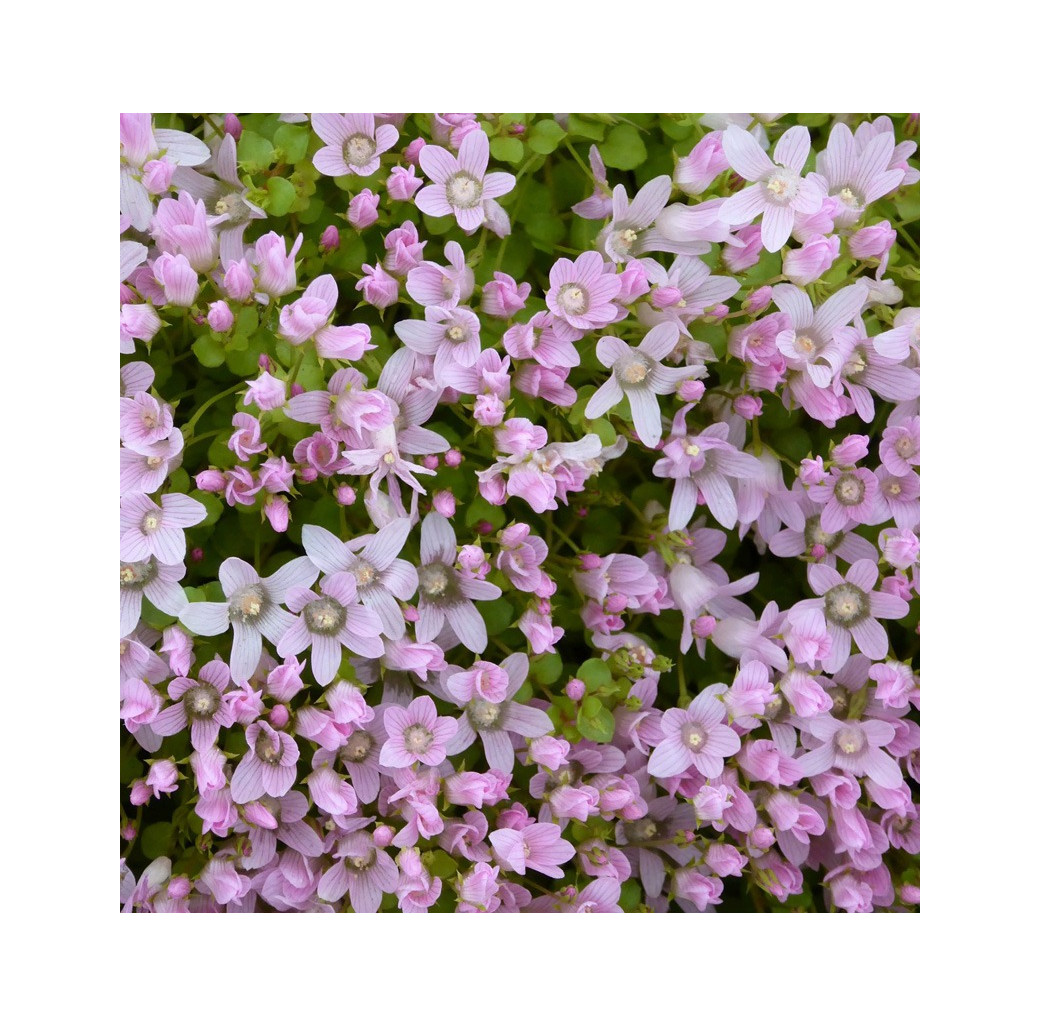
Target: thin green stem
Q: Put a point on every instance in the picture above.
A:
(190, 426)
(297, 364)
(574, 153)
(684, 698)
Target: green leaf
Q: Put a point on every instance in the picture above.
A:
(281, 196)
(209, 351)
(480, 509)
(595, 673)
(293, 141)
(547, 668)
(623, 148)
(507, 148)
(498, 615)
(157, 840)
(440, 863)
(595, 722)
(545, 136)
(254, 151)
(578, 124)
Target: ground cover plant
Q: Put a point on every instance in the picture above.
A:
(519, 512)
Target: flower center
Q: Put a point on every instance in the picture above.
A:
(357, 746)
(463, 190)
(694, 736)
(574, 298)
(362, 861)
(845, 605)
(849, 490)
(806, 345)
(484, 715)
(149, 419)
(268, 749)
(855, 366)
(417, 739)
(624, 240)
(324, 616)
(201, 702)
(235, 207)
(151, 522)
(364, 573)
(850, 740)
(435, 581)
(137, 575)
(905, 447)
(635, 372)
(816, 535)
(641, 830)
(849, 198)
(691, 449)
(456, 333)
(153, 462)
(359, 149)
(246, 604)
(782, 186)
(893, 489)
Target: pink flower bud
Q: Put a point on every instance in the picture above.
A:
(444, 503)
(403, 184)
(471, 557)
(211, 481)
(411, 151)
(410, 613)
(850, 450)
(910, 895)
(345, 495)
(747, 406)
(813, 260)
(263, 361)
(762, 838)
(872, 242)
(703, 626)
(431, 462)
(238, 281)
(361, 211)
(267, 392)
(812, 471)
(157, 175)
(719, 311)
(502, 297)
(489, 410)
(297, 389)
(897, 585)
(277, 510)
(740, 259)
(179, 887)
(634, 283)
(575, 689)
(691, 391)
(233, 127)
(196, 555)
(705, 162)
(759, 299)
(901, 548)
(329, 241)
(453, 458)
(129, 832)
(665, 296)
(382, 835)
(279, 716)
(616, 603)
(590, 561)
(484, 527)
(379, 288)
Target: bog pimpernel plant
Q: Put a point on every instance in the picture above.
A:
(519, 513)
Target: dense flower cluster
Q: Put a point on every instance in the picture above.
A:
(542, 540)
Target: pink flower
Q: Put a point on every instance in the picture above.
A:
(580, 295)
(813, 260)
(309, 317)
(539, 847)
(267, 392)
(353, 143)
(777, 190)
(403, 184)
(853, 746)
(269, 767)
(147, 529)
(460, 184)
(695, 736)
(638, 375)
(378, 287)
(415, 734)
(329, 621)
